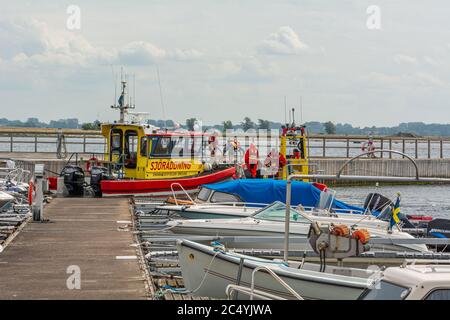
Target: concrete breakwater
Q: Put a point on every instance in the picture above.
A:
(430, 168)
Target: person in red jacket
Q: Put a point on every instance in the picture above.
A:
(251, 160)
(275, 161)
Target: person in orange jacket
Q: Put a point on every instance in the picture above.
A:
(251, 160)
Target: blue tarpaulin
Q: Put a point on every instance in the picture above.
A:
(267, 191)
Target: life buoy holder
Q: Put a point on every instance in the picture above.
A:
(367, 146)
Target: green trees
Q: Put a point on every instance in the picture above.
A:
(247, 124)
(91, 126)
(227, 125)
(263, 124)
(190, 123)
(330, 128)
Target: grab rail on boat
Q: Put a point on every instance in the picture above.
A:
(181, 187)
(233, 288)
(276, 277)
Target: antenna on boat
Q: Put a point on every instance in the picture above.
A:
(293, 117)
(134, 91)
(123, 105)
(115, 86)
(289, 117)
(301, 110)
(161, 97)
(285, 110)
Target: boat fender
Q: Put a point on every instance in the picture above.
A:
(340, 230)
(362, 235)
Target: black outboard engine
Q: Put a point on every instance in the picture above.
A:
(439, 228)
(97, 175)
(380, 203)
(376, 202)
(73, 180)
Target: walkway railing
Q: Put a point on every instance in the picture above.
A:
(320, 146)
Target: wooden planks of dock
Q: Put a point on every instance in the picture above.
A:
(93, 236)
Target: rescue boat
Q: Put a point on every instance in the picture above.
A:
(145, 160)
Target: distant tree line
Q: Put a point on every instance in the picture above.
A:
(329, 127)
(72, 123)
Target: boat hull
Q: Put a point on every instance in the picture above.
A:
(221, 270)
(161, 187)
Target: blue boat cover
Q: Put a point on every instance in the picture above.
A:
(266, 191)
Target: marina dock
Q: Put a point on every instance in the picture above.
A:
(95, 235)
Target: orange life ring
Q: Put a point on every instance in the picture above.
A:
(367, 145)
(94, 160)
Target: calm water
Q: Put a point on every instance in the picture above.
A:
(433, 200)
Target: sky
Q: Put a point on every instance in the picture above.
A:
(226, 59)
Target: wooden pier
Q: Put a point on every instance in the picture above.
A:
(94, 235)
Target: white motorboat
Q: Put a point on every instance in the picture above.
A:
(429, 281)
(211, 211)
(208, 272)
(5, 199)
(270, 222)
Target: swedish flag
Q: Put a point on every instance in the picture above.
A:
(395, 213)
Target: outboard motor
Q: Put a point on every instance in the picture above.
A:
(439, 228)
(73, 180)
(376, 202)
(97, 175)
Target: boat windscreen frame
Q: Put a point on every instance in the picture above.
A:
(115, 150)
(302, 214)
(370, 289)
(130, 161)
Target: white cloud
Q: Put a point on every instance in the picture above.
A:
(244, 69)
(31, 42)
(404, 81)
(140, 52)
(285, 41)
(405, 59)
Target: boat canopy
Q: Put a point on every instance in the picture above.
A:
(269, 190)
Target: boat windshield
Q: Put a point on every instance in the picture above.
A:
(203, 194)
(277, 212)
(384, 290)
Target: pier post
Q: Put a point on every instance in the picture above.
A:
(381, 147)
(38, 201)
(416, 148)
(403, 147)
(348, 148)
(429, 148)
(323, 147)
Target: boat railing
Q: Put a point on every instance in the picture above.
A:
(234, 204)
(276, 277)
(182, 189)
(311, 209)
(233, 289)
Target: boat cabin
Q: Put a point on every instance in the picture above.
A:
(293, 147)
(145, 152)
(412, 282)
